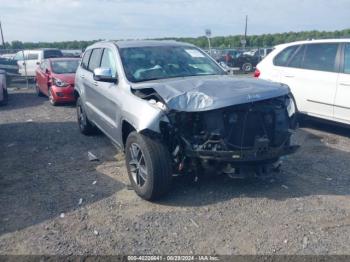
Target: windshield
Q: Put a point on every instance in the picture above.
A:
(64, 66)
(159, 62)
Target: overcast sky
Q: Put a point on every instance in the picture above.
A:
(59, 20)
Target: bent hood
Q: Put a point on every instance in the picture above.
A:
(211, 92)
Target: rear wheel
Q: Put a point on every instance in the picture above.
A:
(85, 125)
(149, 166)
(5, 97)
(8, 80)
(37, 90)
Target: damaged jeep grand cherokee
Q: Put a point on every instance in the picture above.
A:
(174, 110)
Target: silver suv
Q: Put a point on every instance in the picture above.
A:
(174, 110)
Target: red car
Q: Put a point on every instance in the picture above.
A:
(55, 79)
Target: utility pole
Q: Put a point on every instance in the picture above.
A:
(2, 36)
(246, 28)
(208, 35)
(244, 38)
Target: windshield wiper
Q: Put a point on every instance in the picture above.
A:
(180, 76)
(150, 79)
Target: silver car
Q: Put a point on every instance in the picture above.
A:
(3, 88)
(174, 110)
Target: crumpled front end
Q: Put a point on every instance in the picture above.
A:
(254, 133)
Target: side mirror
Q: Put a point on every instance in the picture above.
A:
(47, 71)
(105, 75)
(38, 63)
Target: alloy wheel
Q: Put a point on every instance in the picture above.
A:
(137, 165)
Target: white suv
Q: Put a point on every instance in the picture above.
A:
(318, 74)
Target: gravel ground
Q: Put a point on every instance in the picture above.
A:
(55, 201)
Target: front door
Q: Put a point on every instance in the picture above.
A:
(109, 97)
(101, 96)
(42, 77)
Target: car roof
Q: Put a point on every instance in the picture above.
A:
(149, 43)
(314, 41)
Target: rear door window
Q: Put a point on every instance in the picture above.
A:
(85, 60)
(297, 58)
(95, 59)
(283, 57)
(320, 57)
(347, 59)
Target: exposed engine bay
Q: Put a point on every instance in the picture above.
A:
(244, 130)
(241, 135)
(252, 134)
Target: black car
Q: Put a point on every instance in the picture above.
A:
(10, 67)
(235, 58)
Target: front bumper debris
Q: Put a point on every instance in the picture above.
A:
(243, 156)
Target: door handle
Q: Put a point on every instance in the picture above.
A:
(344, 84)
(82, 76)
(289, 76)
(95, 83)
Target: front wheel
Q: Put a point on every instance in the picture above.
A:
(149, 166)
(51, 98)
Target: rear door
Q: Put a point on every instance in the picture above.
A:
(342, 98)
(80, 79)
(94, 93)
(312, 75)
(277, 70)
(32, 62)
(290, 72)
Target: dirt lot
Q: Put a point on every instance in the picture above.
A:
(45, 174)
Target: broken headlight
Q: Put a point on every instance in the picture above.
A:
(59, 83)
(290, 105)
(157, 104)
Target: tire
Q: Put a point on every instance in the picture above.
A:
(37, 91)
(51, 98)
(85, 126)
(154, 158)
(8, 80)
(247, 67)
(5, 97)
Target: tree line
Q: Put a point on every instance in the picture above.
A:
(264, 40)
